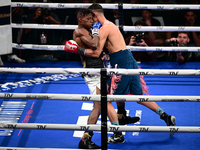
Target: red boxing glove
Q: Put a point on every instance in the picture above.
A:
(72, 47)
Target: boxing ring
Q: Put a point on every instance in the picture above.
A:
(42, 113)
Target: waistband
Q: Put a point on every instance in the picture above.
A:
(122, 54)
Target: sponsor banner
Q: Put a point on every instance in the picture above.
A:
(31, 82)
(160, 28)
(107, 6)
(88, 71)
(174, 49)
(41, 126)
(38, 47)
(44, 26)
(11, 111)
(153, 129)
(111, 128)
(160, 6)
(79, 97)
(61, 5)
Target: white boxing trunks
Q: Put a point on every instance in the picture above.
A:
(93, 82)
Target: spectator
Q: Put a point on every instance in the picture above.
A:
(150, 21)
(42, 36)
(189, 19)
(181, 40)
(144, 41)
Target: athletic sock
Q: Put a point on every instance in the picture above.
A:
(159, 111)
(115, 123)
(121, 109)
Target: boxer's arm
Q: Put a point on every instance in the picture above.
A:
(91, 42)
(103, 32)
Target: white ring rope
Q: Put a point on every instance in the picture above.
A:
(161, 28)
(125, 28)
(96, 71)
(111, 128)
(161, 48)
(43, 26)
(107, 6)
(42, 126)
(39, 47)
(132, 48)
(111, 98)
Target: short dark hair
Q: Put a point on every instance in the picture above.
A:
(96, 7)
(149, 10)
(83, 12)
(139, 22)
(188, 33)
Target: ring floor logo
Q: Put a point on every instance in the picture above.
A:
(31, 82)
(89, 107)
(11, 111)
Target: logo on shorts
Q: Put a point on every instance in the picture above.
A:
(113, 86)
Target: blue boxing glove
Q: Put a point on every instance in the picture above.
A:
(95, 28)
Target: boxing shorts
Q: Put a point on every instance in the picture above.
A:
(124, 84)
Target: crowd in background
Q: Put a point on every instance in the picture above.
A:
(131, 17)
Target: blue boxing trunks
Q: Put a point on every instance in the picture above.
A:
(124, 84)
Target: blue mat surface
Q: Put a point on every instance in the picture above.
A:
(76, 112)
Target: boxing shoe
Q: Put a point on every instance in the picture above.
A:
(123, 119)
(86, 143)
(14, 58)
(117, 137)
(169, 120)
